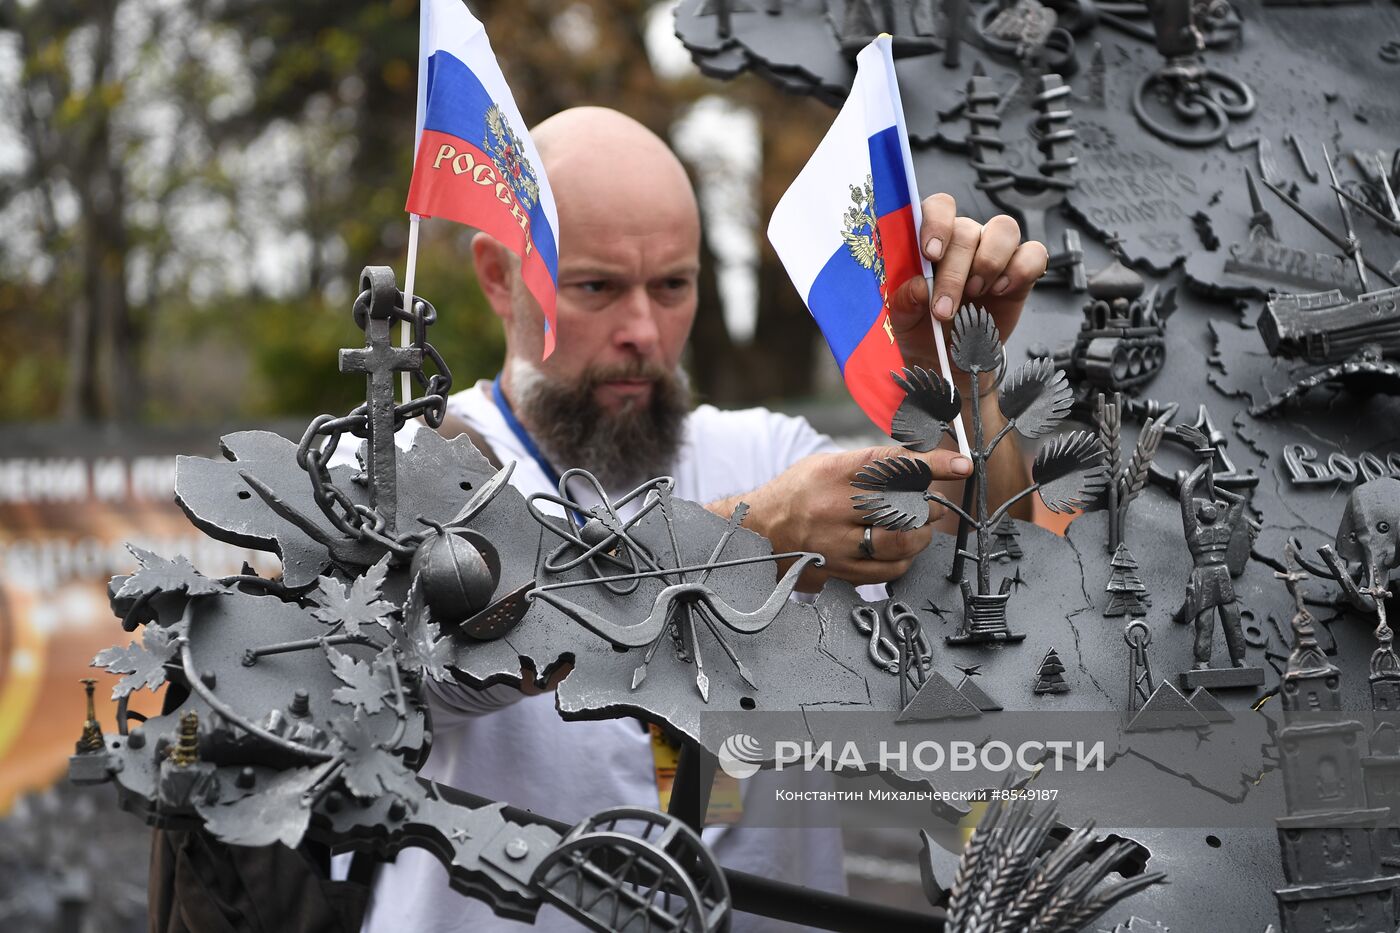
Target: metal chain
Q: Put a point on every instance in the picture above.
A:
(323, 435)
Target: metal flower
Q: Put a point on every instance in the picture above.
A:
(1069, 471)
(929, 407)
(976, 341)
(1036, 398)
(897, 486)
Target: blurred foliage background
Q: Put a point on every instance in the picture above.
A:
(189, 188)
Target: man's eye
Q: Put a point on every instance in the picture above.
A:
(594, 287)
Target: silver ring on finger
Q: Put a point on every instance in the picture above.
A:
(867, 543)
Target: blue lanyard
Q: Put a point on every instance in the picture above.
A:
(521, 434)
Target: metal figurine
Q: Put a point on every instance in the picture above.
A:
(1210, 516)
(1200, 102)
(1383, 659)
(1121, 343)
(1367, 544)
(91, 740)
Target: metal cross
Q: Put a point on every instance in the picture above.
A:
(379, 360)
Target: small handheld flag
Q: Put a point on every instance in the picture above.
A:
(475, 162)
(847, 233)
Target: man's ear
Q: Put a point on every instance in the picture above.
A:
(494, 273)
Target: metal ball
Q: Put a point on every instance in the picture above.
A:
(457, 582)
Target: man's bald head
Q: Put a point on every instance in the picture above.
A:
(598, 159)
(612, 396)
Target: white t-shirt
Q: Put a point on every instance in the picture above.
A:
(523, 753)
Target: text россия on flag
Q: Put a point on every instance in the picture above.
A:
(475, 161)
(845, 233)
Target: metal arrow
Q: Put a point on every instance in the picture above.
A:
(1353, 246)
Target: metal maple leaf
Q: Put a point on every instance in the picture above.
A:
(929, 407)
(143, 664)
(275, 812)
(1036, 397)
(366, 684)
(1069, 471)
(897, 493)
(417, 639)
(371, 770)
(159, 575)
(976, 340)
(354, 605)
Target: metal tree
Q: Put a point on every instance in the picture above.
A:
(1067, 472)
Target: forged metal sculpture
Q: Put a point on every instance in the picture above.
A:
(1211, 517)
(296, 705)
(413, 569)
(1034, 400)
(1222, 258)
(1365, 549)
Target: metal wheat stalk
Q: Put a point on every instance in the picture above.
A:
(1014, 878)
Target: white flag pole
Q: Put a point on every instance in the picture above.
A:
(917, 208)
(406, 329)
(425, 9)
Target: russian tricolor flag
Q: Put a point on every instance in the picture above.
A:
(847, 232)
(475, 162)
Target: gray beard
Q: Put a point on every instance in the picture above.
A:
(620, 448)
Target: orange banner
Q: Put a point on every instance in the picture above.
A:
(64, 522)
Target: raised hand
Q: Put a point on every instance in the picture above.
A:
(986, 264)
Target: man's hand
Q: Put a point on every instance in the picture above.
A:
(808, 508)
(986, 264)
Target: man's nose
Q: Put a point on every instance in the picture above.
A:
(636, 328)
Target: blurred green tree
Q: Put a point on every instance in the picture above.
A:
(201, 182)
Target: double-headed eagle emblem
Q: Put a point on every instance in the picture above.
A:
(508, 155)
(862, 230)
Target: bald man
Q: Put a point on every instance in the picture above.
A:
(613, 399)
